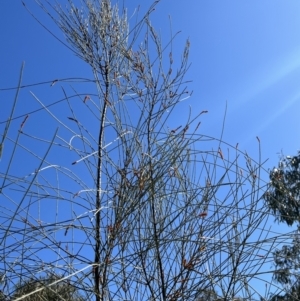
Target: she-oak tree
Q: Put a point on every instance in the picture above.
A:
(145, 211)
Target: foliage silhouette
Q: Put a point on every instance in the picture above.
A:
(49, 288)
(283, 199)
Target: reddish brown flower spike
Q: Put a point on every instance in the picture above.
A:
(183, 280)
(221, 154)
(203, 214)
(22, 124)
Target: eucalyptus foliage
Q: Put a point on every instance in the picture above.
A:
(283, 199)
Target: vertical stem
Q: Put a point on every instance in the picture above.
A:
(98, 194)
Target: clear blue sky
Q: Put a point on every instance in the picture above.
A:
(243, 53)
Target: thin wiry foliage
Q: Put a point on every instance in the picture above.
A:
(121, 205)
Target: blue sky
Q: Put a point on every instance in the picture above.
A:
(245, 55)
